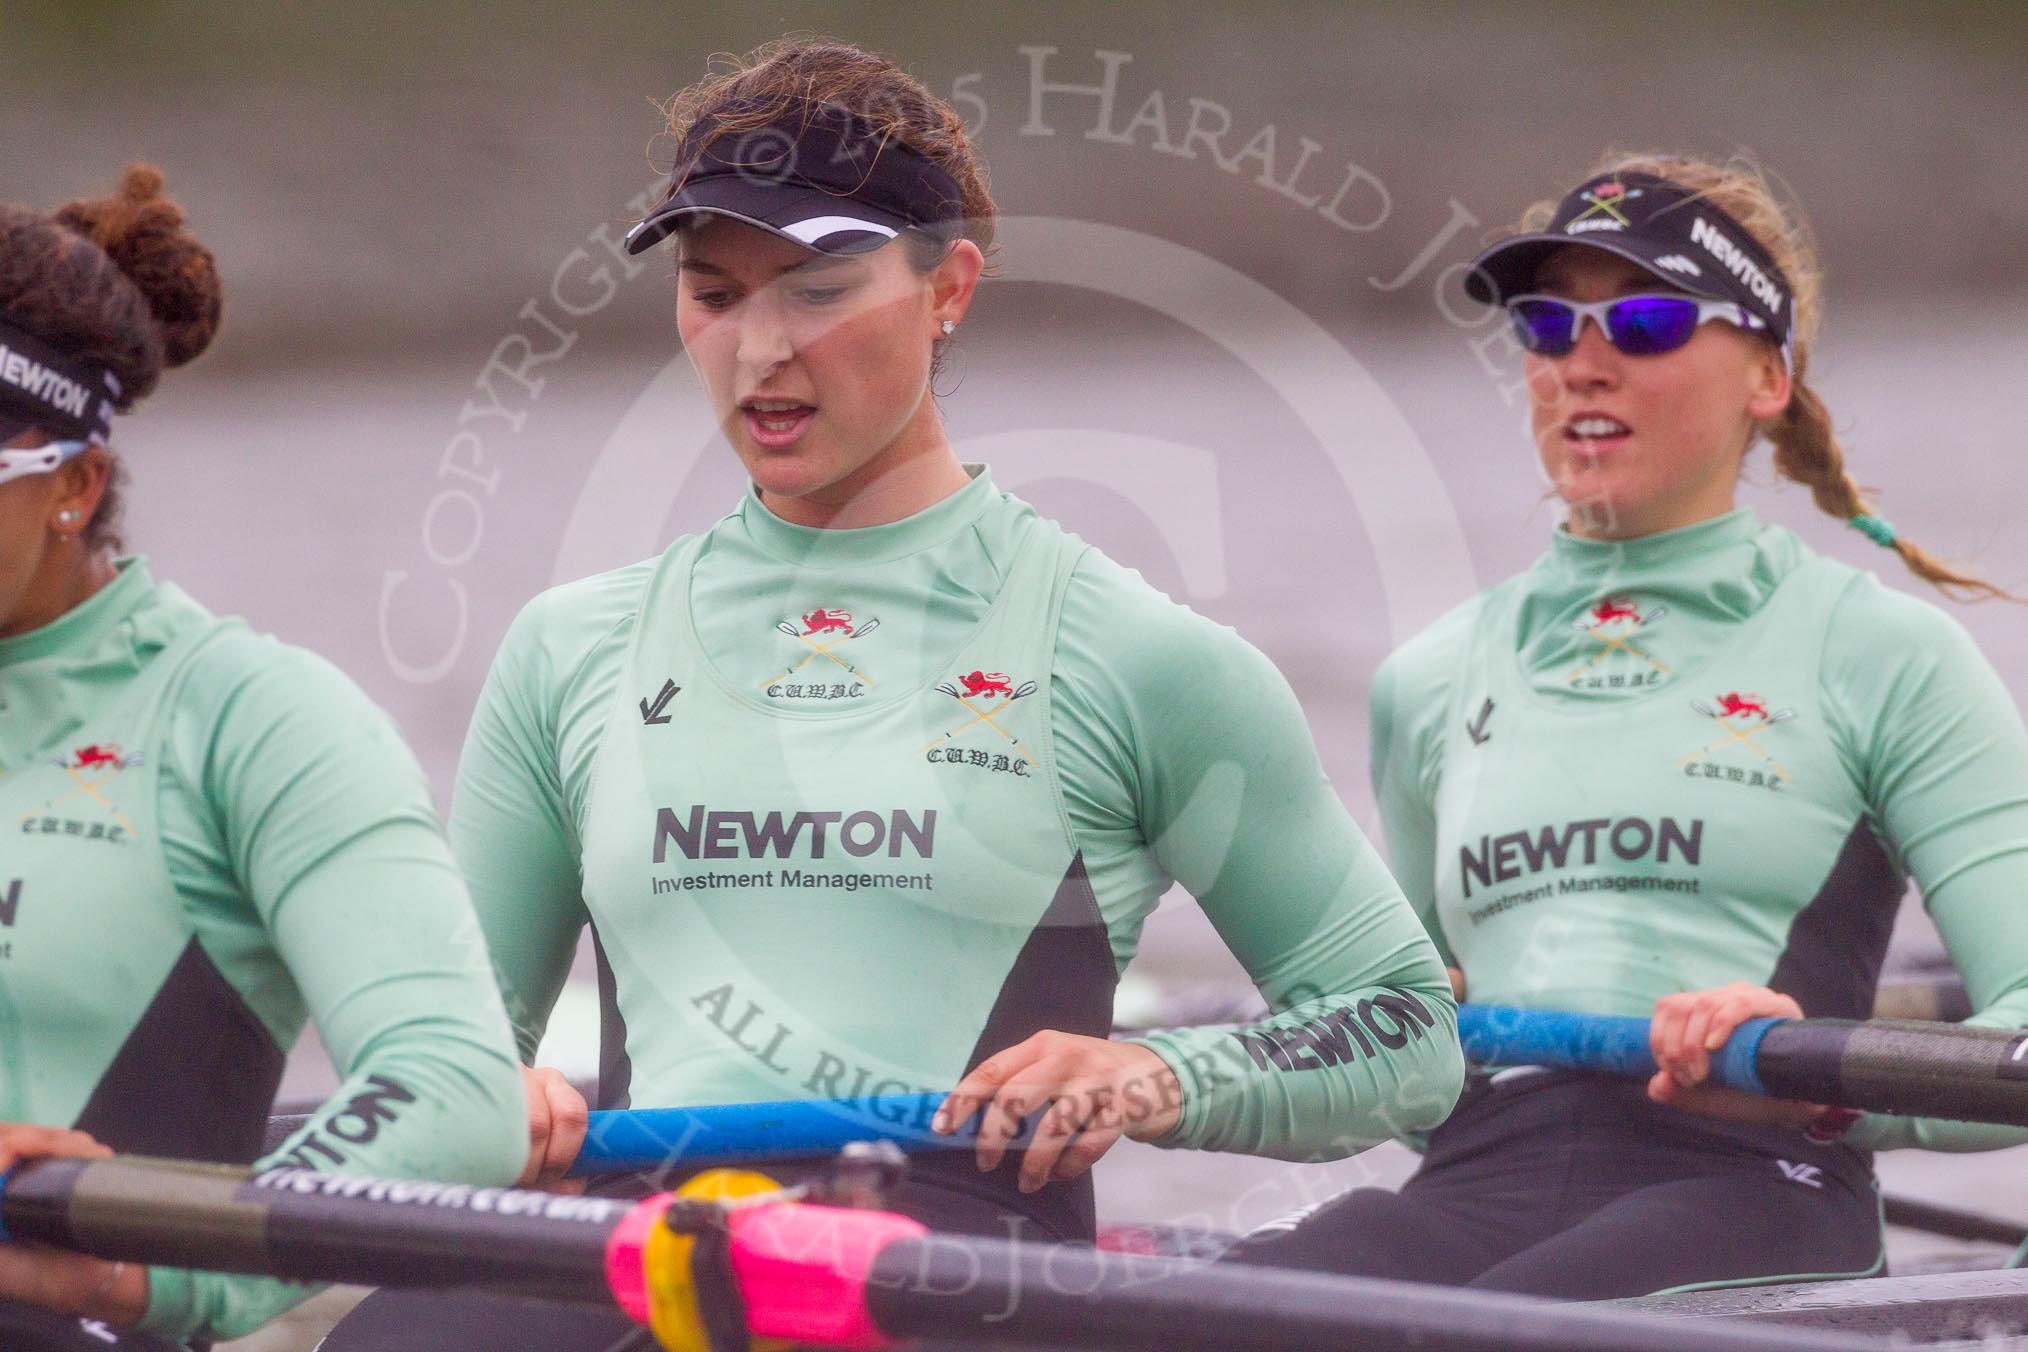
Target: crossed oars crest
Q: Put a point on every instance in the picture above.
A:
(92, 758)
(982, 684)
(1605, 613)
(833, 621)
(1605, 199)
(1752, 707)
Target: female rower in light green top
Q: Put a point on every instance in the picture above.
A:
(209, 835)
(1683, 767)
(870, 787)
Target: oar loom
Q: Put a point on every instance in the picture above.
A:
(1893, 1066)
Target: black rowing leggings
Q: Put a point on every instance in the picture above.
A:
(1581, 1188)
(24, 1328)
(943, 1191)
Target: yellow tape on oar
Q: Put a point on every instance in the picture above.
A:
(674, 1313)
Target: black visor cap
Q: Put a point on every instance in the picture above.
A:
(815, 174)
(1672, 232)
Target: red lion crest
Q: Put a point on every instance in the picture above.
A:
(1732, 702)
(981, 683)
(1608, 609)
(96, 757)
(822, 621)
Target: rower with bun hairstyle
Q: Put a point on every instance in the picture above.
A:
(210, 835)
(1683, 768)
(868, 789)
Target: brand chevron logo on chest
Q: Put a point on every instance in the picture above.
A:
(822, 632)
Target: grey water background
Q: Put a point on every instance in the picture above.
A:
(1237, 360)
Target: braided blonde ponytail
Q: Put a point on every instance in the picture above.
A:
(1807, 451)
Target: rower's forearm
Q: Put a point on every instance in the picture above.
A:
(413, 1112)
(1320, 1080)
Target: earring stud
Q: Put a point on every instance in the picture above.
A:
(950, 327)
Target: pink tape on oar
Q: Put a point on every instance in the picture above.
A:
(803, 1270)
(625, 1273)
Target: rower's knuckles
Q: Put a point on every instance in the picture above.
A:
(995, 1070)
(568, 1113)
(567, 1132)
(1660, 1030)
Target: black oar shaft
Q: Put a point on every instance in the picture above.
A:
(1010, 1293)
(297, 1224)
(1950, 1222)
(290, 1223)
(1897, 1066)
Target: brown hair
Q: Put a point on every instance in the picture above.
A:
(116, 281)
(774, 78)
(1806, 449)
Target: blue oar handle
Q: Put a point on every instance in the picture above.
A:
(624, 1140)
(1737, 1063)
(1607, 1044)
(1903, 1067)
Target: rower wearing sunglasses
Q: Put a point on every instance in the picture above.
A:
(1684, 767)
(208, 835)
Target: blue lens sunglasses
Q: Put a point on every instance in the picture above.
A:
(1640, 326)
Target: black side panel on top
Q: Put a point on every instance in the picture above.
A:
(195, 1076)
(1063, 981)
(1831, 963)
(616, 1070)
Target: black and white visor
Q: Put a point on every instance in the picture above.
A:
(1673, 232)
(45, 388)
(815, 173)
